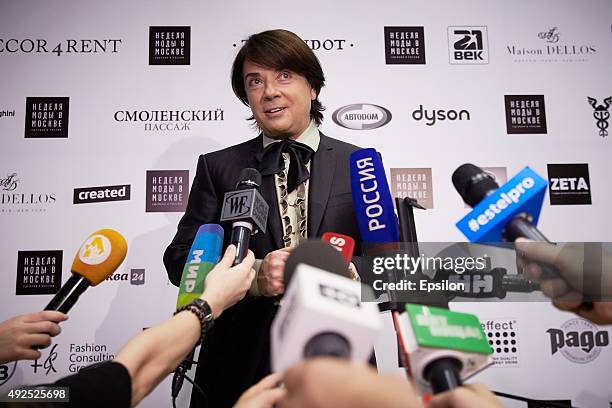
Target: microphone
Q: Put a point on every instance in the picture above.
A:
(321, 313)
(343, 243)
(246, 209)
(444, 347)
(372, 198)
(495, 283)
(204, 254)
(99, 256)
(500, 213)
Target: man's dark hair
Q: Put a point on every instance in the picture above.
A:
(280, 49)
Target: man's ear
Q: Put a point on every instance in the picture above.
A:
(313, 94)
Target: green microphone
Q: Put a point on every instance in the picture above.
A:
(444, 347)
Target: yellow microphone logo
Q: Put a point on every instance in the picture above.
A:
(95, 250)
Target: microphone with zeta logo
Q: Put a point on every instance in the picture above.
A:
(322, 313)
(99, 256)
(246, 209)
(343, 243)
(444, 347)
(204, 254)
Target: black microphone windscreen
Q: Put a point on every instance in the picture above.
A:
(316, 253)
(473, 183)
(248, 178)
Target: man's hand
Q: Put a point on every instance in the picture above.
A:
(270, 280)
(225, 285)
(335, 383)
(567, 290)
(467, 396)
(20, 333)
(264, 394)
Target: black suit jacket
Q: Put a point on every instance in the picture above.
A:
(236, 353)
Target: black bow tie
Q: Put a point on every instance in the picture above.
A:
(272, 161)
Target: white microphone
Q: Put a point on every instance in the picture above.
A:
(322, 315)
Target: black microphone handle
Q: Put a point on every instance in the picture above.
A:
(520, 227)
(180, 372)
(68, 294)
(443, 374)
(518, 283)
(241, 236)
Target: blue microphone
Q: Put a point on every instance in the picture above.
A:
(500, 213)
(372, 198)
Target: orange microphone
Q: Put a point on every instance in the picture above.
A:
(99, 256)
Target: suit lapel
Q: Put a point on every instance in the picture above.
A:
(321, 176)
(268, 191)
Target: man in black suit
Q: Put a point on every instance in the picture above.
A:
(305, 181)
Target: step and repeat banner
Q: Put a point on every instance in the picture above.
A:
(105, 107)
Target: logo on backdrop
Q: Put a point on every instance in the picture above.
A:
(361, 116)
(38, 272)
(434, 115)
(135, 277)
(404, 45)
(101, 194)
(414, 183)
(168, 120)
(6, 372)
(525, 114)
(167, 190)
(9, 183)
(7, 113)
(169, 45)
(503, 337)
(82, 355)
(601, 114)
(70, 46)
(319, 44)
(578, 340)
(551, 36)
(569, 184)
(46, 117)
(15, 200)
(47, 365)
(549, 46)
(468, 45)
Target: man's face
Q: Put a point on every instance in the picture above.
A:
(280, 100)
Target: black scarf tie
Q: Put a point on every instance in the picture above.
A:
(299, 155)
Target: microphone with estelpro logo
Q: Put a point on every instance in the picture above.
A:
(500, 213)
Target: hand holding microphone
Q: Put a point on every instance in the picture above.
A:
(585, 270)
(20, 334)
(225, 285)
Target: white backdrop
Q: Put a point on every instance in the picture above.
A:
(115, 76)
